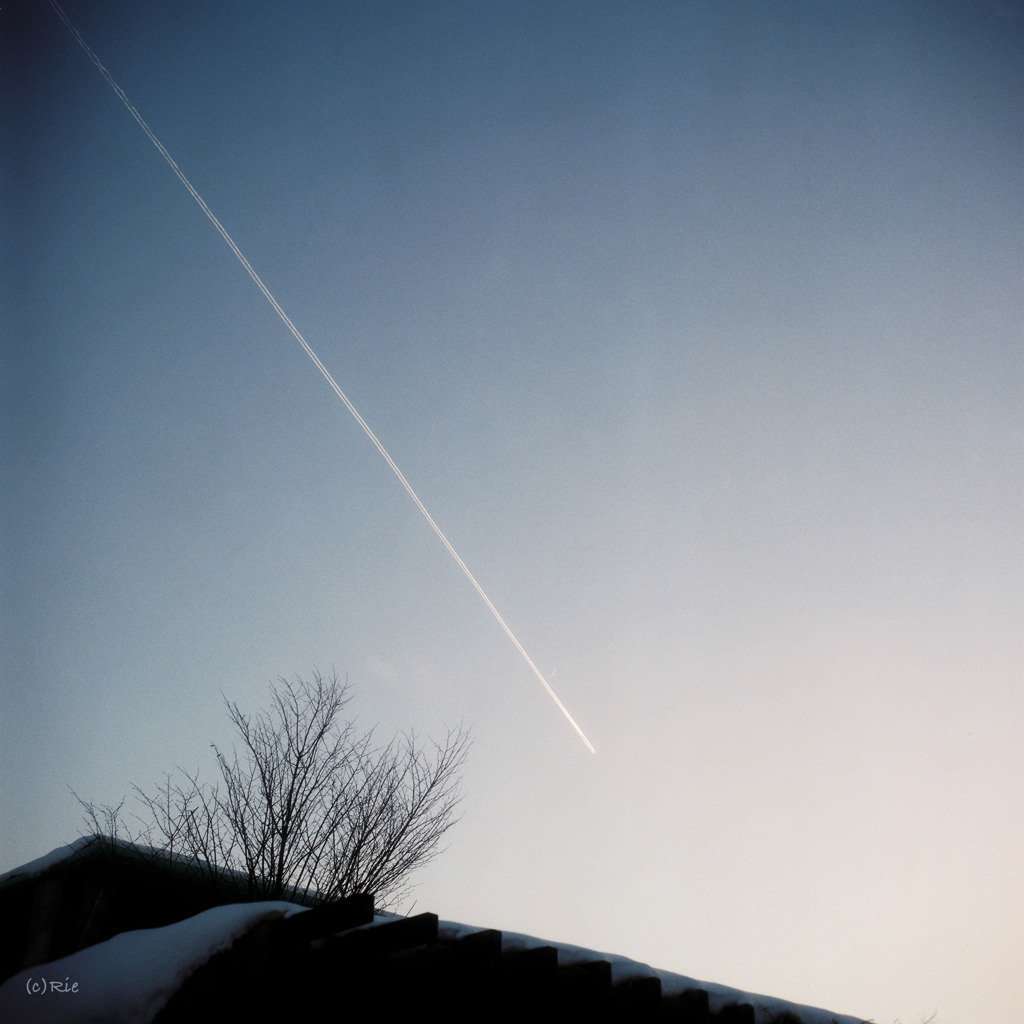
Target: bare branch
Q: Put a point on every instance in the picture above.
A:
(306, 808)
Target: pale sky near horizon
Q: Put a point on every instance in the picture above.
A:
(698, 329)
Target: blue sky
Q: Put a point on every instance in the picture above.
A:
(697, 327)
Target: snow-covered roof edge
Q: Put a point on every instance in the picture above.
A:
(94, 845)
(50, 860)
(129, 978)
(766, 1008)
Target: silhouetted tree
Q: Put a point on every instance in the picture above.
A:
(306, 807)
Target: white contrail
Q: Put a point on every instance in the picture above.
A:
(316, 361)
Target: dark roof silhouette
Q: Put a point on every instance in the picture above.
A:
(279, 962)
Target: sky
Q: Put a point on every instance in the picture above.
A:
(698, 329)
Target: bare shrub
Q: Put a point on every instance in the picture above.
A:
(306, 807)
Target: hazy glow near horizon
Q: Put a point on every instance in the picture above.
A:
(699, 326)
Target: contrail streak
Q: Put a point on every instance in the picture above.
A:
(221, 230)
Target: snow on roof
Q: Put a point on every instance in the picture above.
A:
(86, 846)
(129, 978)
(49, 860)
(766, 1008)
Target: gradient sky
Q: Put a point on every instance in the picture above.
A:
(698, 328)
